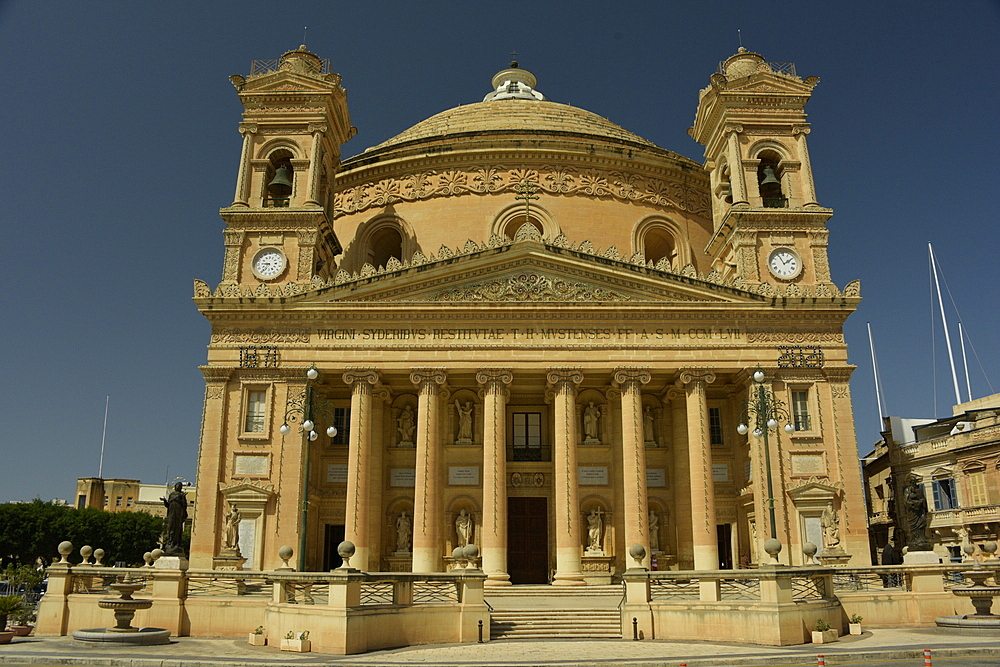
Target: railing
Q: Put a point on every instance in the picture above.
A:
(808, 588)
(98, 580)
(739, 589)
(259, 67)
(201, 583)
(776, 202)
(662, 588)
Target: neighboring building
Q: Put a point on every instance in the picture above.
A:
(955, 460)
(533, 330)
(126, 495)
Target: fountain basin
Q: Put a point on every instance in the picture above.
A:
(138, 636)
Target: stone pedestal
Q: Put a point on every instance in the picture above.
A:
(921, 558)
(597, 568)
(171, 563)
(228, 560)
(398, 562)
(834, 558)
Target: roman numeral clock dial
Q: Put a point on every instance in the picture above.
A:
(269, 263)
(784, 263)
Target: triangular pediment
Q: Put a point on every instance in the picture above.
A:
(766, 82)
(280, 82)
(529, 271)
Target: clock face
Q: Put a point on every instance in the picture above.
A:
(784, 263)
(269, 263)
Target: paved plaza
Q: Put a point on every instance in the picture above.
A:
(902, 646)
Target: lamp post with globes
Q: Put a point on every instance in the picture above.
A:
(762, 412)
(312, 410)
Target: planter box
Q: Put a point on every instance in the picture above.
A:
(855, 628)
(21, 630)
(5, 637)
(257, 640)
(824, 636)
(296, 645)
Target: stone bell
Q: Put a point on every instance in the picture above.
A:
(281, 184)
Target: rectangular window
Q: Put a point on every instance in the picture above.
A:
(800, 411)
(527, 436)
(105, 501)
(128, 502)
(118, 501)
(81, 501)
(342, 420)
(944, 494)
(976, 483)
(715, 427)
(256, 401)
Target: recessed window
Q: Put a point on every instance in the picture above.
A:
(342, 421)
(118, 501)
(944, 494)
(715, 427)
(384, 244)
(129, 502)
(255, 410)
(975, 482)
(527, 436)
(800, 411)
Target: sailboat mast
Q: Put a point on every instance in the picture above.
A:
(944, 322)
(878, 386)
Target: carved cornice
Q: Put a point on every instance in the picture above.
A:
(552, 179)
(530, 287)
(215, 374)
(259, 336)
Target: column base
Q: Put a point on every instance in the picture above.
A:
(569, 579)
(497, 579)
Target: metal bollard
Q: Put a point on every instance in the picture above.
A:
(480, 631)
(820, 661)
(927, 657)
(635, 629)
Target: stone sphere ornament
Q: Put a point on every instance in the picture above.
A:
(809, 551)
(637, 552)
(85, 552)
(345, 550)
(156, 554)
(470, 552)
(458, 553)
(284, 553)
(148, 557)
(990, 548)
(773, 548)
(65, 549)
(98, 556)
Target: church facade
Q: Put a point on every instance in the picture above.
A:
(520, 326)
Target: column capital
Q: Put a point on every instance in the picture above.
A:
(695, 376)
(353, 376)
(673, 392)
(732, 128)
(427, 376)
(248, 128)
(488, 376)
(628, 374)
(318, 127)
(556, 377)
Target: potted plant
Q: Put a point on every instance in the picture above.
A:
(297, 642)
(8, 605)
(855, 624)
(823, 633)
(23, 621)
(257, 637)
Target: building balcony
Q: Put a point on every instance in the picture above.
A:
(959, 516)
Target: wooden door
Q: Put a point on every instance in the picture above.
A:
(528, 540)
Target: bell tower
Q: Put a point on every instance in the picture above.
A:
(279, 228)
(769, 227)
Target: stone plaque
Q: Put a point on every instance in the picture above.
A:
(588, 476)
(814, 532)
(808, 464)
(250, 464)
(403, 477)
(656, 477)
(720, 472)
(463, 475)
(247, 541)
(336, 473)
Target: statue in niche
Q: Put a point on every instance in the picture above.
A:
(830, 523)
(654, 530)
(647, 425)
(915, 503)
(231, 523)
(591, 415)
(405, 426)
(176, 504)
(404, 527)
(463, 527)
(595, 526)
(464, 421)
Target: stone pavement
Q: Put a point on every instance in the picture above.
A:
(881, 644)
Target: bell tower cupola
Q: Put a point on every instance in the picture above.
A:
(768, 224)
(279, 228)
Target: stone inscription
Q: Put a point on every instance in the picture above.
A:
(531, 335)
(656, 477)
(808, 464)
(336, 473)
(254, 464)
(592, 476)
(403, 477)
(463, 475)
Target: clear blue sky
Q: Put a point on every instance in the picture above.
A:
(120, 146)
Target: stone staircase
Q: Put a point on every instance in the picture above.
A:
(530, 612)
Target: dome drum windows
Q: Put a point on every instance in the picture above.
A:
(660, 241)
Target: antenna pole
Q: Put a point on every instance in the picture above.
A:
(305, 29)
(739, 33)
(965, 361)
(104, 435)
(878, 387)
(944, 322)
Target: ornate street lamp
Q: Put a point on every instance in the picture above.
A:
(313, 410)
(762, 412)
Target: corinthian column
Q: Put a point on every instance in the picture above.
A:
(493, 536)
(315, 163)
(242, 197)
(704, 533)
(630, 380)
(567, 503)
(427, 490)
(359, 473)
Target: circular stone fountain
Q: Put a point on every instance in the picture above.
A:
(981, 596)
(124, 608)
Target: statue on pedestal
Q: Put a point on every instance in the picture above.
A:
(176, 504)
(403, 528)
(647, 425)
(591, 415)
(464, 421)
(915, 503)
(231, 526)
(654, 531)
(463, 527)
(405, 426)
(830, 523)
(595, 526)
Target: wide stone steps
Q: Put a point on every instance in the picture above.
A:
(555, 623)
(547, 591)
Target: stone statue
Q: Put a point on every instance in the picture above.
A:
(176, 504)
(654, 530)
(590, 417)
(463, 526)
(403, 528)
(647, 425)
(915, 503)
(595, 526)
(830, 522)
(231, 524)
(405, 426)
(464, 420)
